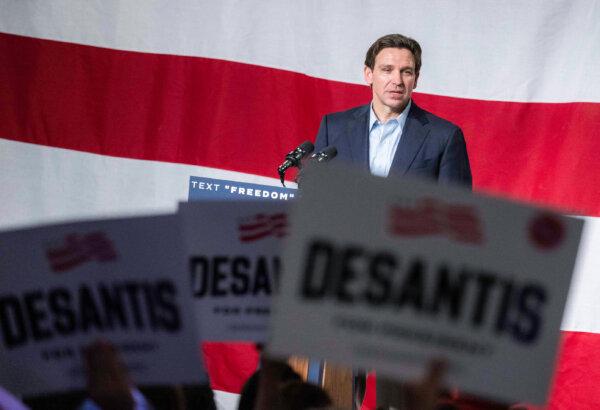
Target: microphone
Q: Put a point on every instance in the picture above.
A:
(294, 158)
(326, 154)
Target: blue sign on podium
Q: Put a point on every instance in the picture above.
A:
(202, 189)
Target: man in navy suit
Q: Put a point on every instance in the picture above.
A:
(391, 135)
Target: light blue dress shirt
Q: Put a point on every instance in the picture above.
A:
(383, 141)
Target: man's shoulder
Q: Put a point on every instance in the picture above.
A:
(432, 120)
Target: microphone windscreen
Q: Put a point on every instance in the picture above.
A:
(307, 147)
(330, 152)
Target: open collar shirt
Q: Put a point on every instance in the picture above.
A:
(383, 141)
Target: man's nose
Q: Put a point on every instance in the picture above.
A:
(397, 78)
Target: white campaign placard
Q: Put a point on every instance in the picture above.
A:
(64, 286)
(390, 273)
(233, 251)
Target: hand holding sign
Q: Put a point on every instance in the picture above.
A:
(422, 395)
(108, 382)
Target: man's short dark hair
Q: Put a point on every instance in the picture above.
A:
(394, 41)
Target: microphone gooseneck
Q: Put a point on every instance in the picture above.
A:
(294, 159)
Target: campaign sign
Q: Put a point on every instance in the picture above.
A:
(202, 189)
(64, 286)
(390, 273)
(233, 252)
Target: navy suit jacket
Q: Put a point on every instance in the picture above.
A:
(430, 146)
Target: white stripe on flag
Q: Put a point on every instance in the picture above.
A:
(225, 400)
(47, 185)
(582, 312)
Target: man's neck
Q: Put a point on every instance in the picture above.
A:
(385, 113)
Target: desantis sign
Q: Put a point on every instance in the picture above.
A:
(63, 286)
(233, 250)
(389, 273)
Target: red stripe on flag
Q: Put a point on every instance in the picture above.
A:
(229, 364)
(538, 152)
(577, 373)
(209, 112)
(160, 107)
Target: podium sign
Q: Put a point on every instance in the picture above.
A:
(63, 286)
(210, 189)
(390, 273)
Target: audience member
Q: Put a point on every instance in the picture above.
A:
(108, 382)
(276, 374)
(298, 395)
(423, 395)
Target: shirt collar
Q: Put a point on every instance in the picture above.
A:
(401, 118)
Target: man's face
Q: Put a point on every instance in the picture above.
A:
(392, 79)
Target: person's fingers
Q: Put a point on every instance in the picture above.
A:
(108, 379)
(434, 375)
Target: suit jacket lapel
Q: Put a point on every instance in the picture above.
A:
(414, 134)
(358, 133)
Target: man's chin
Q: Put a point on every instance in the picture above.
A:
(397, 105)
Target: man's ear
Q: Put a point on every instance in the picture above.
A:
(368, 75)
(416, 80)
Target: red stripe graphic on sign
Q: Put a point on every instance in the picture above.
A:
(577, 373)
(80, 248)
(179, 109)
(429, 216)
(261, 226)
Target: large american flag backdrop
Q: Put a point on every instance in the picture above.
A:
(108, 107)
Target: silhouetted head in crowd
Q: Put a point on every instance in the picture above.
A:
(250, 389)
(298, 395)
